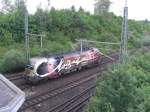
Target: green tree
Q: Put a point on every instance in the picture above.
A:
(124, 88)
(6, 6)
(13, 61)
(101, 6)
(116, 93)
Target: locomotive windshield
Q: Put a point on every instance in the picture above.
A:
(42, 69)
(47, 67)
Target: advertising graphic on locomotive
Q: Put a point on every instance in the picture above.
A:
(54, 66)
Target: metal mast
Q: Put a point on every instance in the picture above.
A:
(26, 33)
(124, 34)
(49, 3)
(40, 24)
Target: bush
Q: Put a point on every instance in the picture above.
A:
(115, 93)
(125, 88)
(143, 62)
(13, 61)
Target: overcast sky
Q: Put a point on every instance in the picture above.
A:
(138, 9)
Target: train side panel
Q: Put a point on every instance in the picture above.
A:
(40, 68)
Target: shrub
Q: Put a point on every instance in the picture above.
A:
(125, 88)
(115, 93)
(143, 62)
(13, 61)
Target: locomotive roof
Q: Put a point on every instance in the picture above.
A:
(67, 53)
(60, 55)
(64, 54)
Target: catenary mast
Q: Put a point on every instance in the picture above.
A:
(124, 34)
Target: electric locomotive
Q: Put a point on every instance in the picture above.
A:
(54, 66)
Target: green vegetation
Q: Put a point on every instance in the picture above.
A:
(124, 88)
(13, 61)
(61, 28)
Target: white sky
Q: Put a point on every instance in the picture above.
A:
(138, 9)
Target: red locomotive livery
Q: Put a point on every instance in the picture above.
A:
(54, 66)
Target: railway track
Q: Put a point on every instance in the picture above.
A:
(18, 80)
(69, 102)
(15, 76)
(78, 104)
(75, 103)
(49, 94)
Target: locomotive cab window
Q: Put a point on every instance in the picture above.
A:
(42, 69)
(58, 59)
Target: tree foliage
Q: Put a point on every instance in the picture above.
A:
(124, 88)
(70, 23)
(61, 28)
(13, 61)
(101, 6)
(6, 6)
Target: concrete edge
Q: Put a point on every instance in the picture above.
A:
(17, 101)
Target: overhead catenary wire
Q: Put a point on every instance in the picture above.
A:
(97, 42)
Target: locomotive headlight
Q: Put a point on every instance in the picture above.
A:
(29, 70)
(29, 67)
